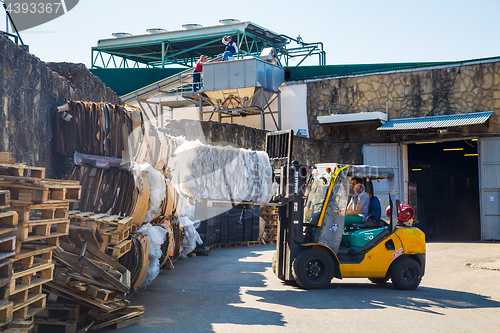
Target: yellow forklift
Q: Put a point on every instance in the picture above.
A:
(314, 244)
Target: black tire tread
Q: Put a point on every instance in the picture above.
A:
(306, 256)
(397, 269)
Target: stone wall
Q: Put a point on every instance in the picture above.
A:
(29, 95)
(417, 93)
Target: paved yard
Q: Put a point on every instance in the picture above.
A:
(234, 290)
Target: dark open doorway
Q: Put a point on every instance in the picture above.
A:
(445, 176)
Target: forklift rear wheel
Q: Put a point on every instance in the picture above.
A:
(406, 274)
(313, 269)
(379, 280)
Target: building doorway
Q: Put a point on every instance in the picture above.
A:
(444, 186)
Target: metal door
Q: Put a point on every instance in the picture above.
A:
(489, 180)
(388, 155)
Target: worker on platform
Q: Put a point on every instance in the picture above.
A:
(231, 48)
(198, 69)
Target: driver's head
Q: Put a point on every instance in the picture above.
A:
(356, 183)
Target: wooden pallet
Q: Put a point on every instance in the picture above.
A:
(112, 222)
(86, 289)
(4, 199)
(120, 249)
(68, 293)
(40, 212)
(45, 192)
(26, 284)
(112, 237)
(30, 254)
(119, 223)
(6, 312)
(5, 278)
(7, 246)
(21, 170)
(31, 307)
(48, 232)
(18, 325)
(8, 223)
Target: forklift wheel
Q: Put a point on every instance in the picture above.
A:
(313, 269)
(406, 274)
(379, 280)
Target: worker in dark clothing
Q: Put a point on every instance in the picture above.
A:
(374, 208)
(231, 47)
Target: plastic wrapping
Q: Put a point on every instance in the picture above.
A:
(191, 235)
(222, 173)
(102, 162)
(156, 236)
(157, 188)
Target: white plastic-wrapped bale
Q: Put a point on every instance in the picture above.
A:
(222, 173)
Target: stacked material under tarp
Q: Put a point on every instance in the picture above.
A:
(207, 172)
(93, 128)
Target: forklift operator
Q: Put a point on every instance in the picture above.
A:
(357, 210)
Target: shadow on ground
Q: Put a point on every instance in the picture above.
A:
(203, 291)
(370, 296)
(200, 292)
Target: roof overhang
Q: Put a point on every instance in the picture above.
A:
(434, 122)
(189, 35)
(352, 118)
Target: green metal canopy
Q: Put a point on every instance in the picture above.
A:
(183, 47)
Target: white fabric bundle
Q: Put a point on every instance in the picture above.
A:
(222, 173)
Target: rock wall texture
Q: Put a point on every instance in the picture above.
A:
(416, 93)
(29, 95)
(306, 151)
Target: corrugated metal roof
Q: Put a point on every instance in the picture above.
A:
(436, 121)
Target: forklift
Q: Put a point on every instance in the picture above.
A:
(314, 244)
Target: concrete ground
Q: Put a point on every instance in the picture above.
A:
(234, 290)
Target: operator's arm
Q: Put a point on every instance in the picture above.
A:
(235, 48)
(354, 211)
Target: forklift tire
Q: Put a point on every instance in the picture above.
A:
(379, 281)
(313, 269)
(406, 274)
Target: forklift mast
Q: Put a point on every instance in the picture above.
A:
(290, 197)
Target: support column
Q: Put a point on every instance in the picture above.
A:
(262, 113)
(201, 107)
(279, 111)
(162, 54)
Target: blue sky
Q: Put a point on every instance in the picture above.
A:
(353, 32)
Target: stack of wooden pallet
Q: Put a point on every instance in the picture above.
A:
(92, 282)
(29, 231)
(8, 222)
(270, 215)
(111, 231)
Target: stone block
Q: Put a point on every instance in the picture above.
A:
(487, 81)
(364, 87)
